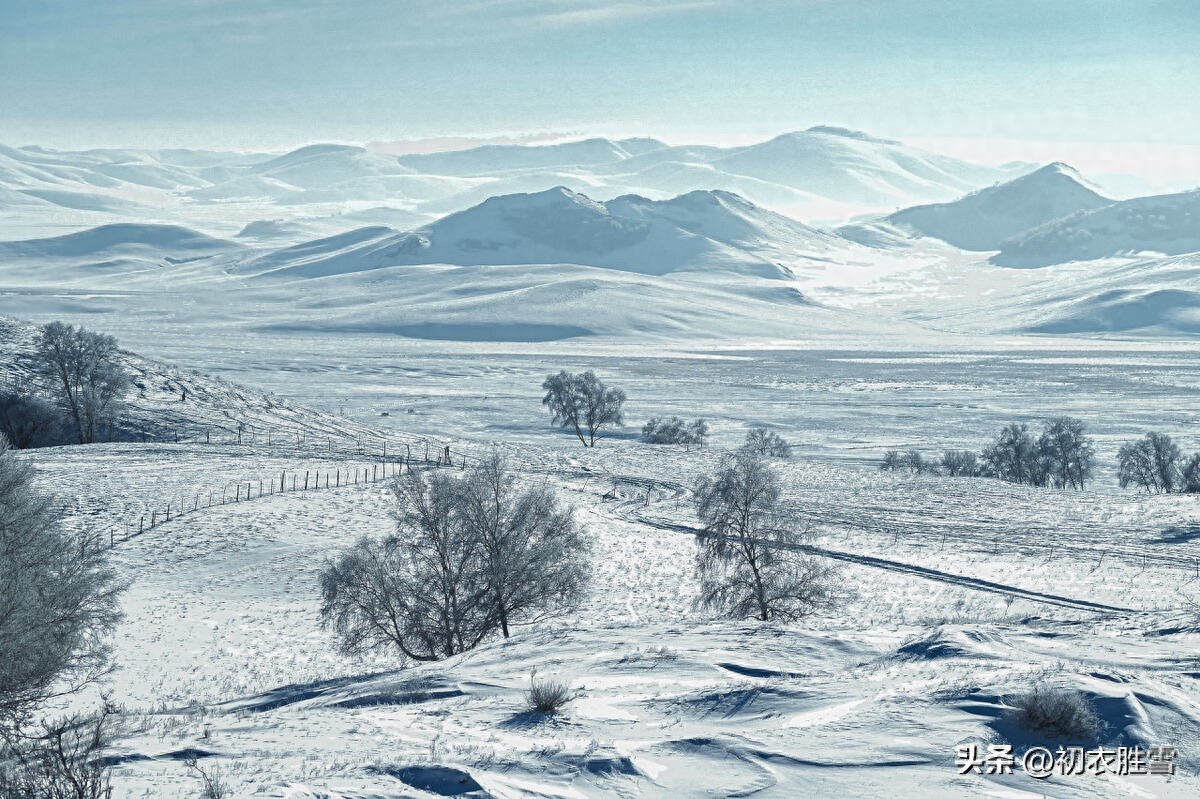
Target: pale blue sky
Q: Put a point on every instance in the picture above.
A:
(279, 72)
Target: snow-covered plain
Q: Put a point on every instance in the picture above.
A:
(338, 348)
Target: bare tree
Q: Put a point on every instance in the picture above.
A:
(768, 442)
(892, 461)
(58, 599)
(960, 463)
(583, 403)
(913, 461)
(420, 590)
(1068, 452)
(533, 555)
(750, 562)
(470, 556)
(83, 372)
(1189, 474)
(1152, 463)
(1013, 456)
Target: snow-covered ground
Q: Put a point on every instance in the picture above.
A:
(285, 370)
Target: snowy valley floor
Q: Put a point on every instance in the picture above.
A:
(966, 592)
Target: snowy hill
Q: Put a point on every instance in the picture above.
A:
(984, 219)
(702, 231)
(1167, 224)
(853, 167)
(122, 239)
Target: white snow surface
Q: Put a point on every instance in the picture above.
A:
(374, 308)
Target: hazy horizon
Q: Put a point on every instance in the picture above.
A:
(253, 75)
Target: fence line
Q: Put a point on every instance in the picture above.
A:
(288, 482)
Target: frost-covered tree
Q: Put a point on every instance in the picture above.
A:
(1153, 463)
(58, 599)
(583, 403)
(82, 370)
(1189, 474)
(750, 561)
(420, 590)
(533, 556)
(960, 463)
(767, 442)
(470, 556)
(27, 420)
(892, 461)
(1067, 452)
(1015, 456)
(913, 461)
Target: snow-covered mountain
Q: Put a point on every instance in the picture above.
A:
(702, 231)
(984, 219)
(1167, 224)
(824, 173)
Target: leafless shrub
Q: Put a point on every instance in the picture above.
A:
(214, 783)
(960, 463)
(63, 761)
(1057, 712)
(546, 695)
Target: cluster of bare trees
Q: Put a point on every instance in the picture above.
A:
(583, 403)
(676, 431)
(471, 556)
(1062, 456)
(752, 559)
(1156, 464)
(76, 394)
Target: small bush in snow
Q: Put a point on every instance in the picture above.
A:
(767, 442)
(1189, 474)
(892, 461)
(546, 696)
(675, 431)
(1057, 712)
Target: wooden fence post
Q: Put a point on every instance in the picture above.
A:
(305, 479)
(282, 486)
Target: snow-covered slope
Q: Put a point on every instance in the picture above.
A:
(984, 219)
(702, 231)
(122, 239)
(853, 167)
(1167, 224)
